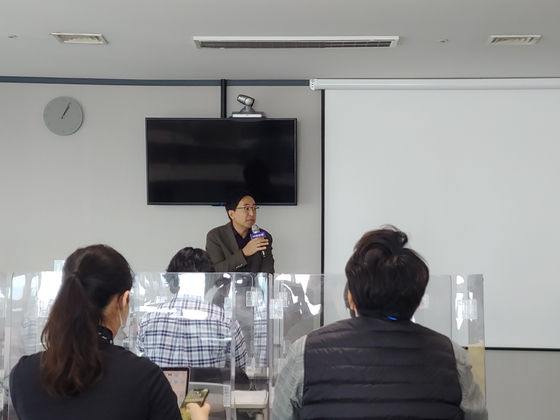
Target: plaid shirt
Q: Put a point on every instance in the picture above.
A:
(189, 331)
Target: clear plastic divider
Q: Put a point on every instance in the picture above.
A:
(452, 305)
(3, 331)
(232, 329)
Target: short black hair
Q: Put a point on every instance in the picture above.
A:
(187, 260)
(386, 279)
(234, 198)
(191, 260)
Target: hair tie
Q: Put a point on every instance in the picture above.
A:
(77, 274)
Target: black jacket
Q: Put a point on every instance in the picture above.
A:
(369, 368)
(133, 388)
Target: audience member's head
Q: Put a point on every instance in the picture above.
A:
(188, 260)
(96, 283)
(385, 279)
(191, 260)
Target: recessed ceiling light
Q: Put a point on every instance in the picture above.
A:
(513, 39)
(68, 38)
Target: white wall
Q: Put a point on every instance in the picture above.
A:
(522, 385)
(59, 193)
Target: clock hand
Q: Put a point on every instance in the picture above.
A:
(65, 111)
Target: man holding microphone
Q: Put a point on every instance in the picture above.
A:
(240, 245)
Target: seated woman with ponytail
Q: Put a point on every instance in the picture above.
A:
(81, 374)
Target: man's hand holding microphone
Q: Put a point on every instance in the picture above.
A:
(258, 242)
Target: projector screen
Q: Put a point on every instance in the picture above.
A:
(472, 176)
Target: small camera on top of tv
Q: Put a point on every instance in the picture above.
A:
(245, 100)
(247, 111)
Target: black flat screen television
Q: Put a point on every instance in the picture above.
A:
(202, 160)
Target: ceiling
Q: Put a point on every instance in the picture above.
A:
(153, 39)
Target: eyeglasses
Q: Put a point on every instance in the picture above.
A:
(247, 209)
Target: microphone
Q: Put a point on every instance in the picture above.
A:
(257, 233)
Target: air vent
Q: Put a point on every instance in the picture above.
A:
(296, 42)
(67, 38)
(513, 39)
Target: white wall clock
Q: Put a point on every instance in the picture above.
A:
(63, 116)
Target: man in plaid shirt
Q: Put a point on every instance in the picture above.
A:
(188, 330)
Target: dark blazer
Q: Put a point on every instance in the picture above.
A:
(227, 257)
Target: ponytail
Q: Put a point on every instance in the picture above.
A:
(72, 360)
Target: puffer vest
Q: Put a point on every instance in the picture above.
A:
(369, 368)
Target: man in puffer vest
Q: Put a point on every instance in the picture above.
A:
(379, 365)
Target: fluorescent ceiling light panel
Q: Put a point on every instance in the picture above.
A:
(69, 38)
(295, 41)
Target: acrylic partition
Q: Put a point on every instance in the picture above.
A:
(233, 329)
(296, 309)
(452, 305)
(178, 319)
(215, 323)
(3, 365)
(30, 298)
